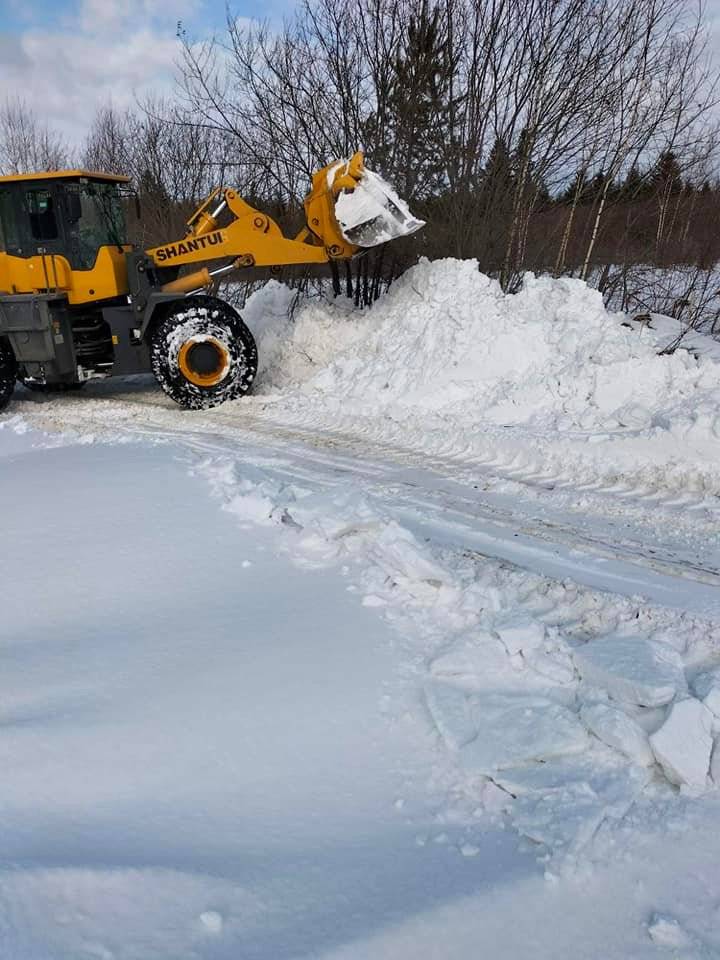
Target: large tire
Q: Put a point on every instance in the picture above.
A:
(8, 373)
(203, 354)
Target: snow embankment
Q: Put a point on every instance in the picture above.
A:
(563, 709)
(447, 362)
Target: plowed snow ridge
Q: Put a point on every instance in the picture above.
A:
(448, 363)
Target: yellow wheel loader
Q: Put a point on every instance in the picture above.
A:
(77, 302)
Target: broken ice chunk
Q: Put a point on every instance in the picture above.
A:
(712, 700)
(561, 804)
(683, 744)
(451, 713)
(513, 730)
(520, 632)
(494, 798)
(649, 718)
(666, 931)
(555, 665)
(715, 763)
(705, 681)
(706, 687)
(475, 658)
(632, 669)
(618, 730)
(541, 777)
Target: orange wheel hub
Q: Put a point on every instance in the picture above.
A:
(204, 361)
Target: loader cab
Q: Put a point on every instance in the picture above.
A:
(70, 212)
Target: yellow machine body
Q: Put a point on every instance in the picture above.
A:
(52, 272)
(78, 303)
(224, 227)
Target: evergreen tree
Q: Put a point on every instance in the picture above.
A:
(634, 184)
(411, 133)
(535, 188)
(498, 178)
(667, 175)
(597, 185)
(578, 187)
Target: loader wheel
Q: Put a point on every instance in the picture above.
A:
(203, 354)
(8, 373)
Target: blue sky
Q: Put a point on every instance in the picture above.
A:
(16, 17)
(67, 57)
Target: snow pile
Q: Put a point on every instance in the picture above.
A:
(446, 359)
(373, 213)
(569, 723)
(294, 344)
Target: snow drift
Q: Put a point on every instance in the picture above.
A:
(572, 709)
(446, 352)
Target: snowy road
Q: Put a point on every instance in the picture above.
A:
(651, 542)
(227, 654)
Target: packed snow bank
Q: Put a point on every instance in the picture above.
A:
(195, 765)
(446, 360)
(367, 731)
(559, 708)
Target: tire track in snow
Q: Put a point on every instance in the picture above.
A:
(499, 460)
(656, 547)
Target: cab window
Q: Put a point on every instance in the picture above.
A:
(101, 222)
(43, 225)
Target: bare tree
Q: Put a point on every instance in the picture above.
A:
(481, 111)
(172, 164)
(26, 144)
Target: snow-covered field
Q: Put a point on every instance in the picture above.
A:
(688, 292)
(415, 653)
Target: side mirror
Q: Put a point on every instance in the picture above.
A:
(74, 207)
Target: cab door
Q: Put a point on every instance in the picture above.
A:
(41, 225)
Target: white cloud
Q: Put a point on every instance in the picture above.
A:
(104, 51)
(99, 16)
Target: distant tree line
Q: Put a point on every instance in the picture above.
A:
(577, 137)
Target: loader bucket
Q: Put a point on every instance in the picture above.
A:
(371, 213)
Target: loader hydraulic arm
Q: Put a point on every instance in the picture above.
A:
(250, 238)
